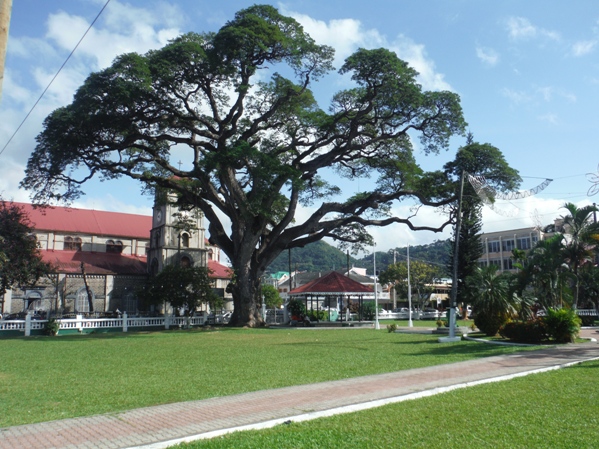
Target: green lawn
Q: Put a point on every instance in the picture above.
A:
(556, 409)
(45, 378)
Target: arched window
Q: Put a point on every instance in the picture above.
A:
(130, 303)
(184, 240)
(185, 262)
(72, 244)
(114, 247)
(210, 254)
(81, 300)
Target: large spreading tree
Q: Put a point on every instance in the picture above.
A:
(258, 145)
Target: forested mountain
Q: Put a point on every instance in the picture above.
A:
(320, 256)
(317, 256)
(436, 253)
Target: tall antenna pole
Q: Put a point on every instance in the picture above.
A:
(5, 11)
(454, 282)
(410, 323)
(376, 297)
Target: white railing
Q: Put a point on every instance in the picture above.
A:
(80, 323)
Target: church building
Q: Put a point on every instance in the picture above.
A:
(100, 259)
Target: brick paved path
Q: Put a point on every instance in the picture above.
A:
(186, 420)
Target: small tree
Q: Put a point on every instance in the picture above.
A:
(422, 276)
(271, 296)
(20, 259)
(181, 287)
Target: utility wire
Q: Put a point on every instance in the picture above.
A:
(55, 76)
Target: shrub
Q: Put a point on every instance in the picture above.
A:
(318, 315)
(296, 308)
(51, 328)
(563, 325)
(532, 331)
(391, 328)
(368, 310)
(490, 323)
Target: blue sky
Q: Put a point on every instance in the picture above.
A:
(527, 73)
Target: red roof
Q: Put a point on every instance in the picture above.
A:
(219, 271)
(95, 263)
(85, 221)
(332, 283)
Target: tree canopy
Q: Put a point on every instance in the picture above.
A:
(20, 259)
(257, 147)
(184, 288)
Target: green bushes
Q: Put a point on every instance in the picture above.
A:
(368, 310)
(533, 331)
(563, 325)
(51, 328)
(559, 325)
(296, 308)
(318, 315)
(490, 322)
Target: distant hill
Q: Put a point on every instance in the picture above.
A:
(320, 256)
(317, 256)
(437, 253)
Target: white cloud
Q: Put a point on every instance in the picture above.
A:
(487, 55)
(347, 35)
(521, 28)
(516, 97)
(550, 118)
(582, 48)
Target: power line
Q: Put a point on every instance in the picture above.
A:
(55, 76)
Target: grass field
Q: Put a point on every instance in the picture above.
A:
(45, 378)
(556, 409)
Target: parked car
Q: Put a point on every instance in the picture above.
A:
(402, 313)
(429, 314)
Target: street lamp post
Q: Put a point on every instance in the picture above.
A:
(410, 323)
(376, 297)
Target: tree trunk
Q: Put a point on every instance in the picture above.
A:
(246, 297)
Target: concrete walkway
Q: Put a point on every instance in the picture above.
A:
(164, 425)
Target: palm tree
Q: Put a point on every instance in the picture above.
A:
(582, 239)
(544, 270)
(493, 303)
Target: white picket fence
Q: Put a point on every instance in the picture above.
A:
(82, 324)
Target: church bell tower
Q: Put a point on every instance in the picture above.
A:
(177, 235)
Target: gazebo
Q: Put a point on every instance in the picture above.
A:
(332, 288)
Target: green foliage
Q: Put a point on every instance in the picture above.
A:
(181, 287)
(422, 276)
(530, 331)
(51, 327)
(296, 308)
(318, 315)
(563, 325)
(391, 328)
(490, 322)
(271, 296)
(368, 310)
(479, 160)
(492, 299)
(20, 259)
(317, 256)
